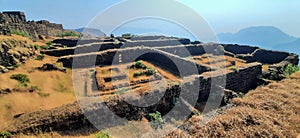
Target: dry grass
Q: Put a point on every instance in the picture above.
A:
(219, 62)
(268, 111)
(16, 103)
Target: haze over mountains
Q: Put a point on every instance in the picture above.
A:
(90, 31)
(266, 37)
(263, 36)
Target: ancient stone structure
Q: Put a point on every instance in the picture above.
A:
(239, 66)
(15, 20)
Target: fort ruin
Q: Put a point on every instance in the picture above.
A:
(160, 57)
(15, 20)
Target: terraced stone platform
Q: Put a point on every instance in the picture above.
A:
(172, 67)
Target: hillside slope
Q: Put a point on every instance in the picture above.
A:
(268, 111)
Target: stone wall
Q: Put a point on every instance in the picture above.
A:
(17, 21)
(126, 55)
(239, 49)
(81, 49)
(77, 42)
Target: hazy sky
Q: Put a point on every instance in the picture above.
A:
(222, 15)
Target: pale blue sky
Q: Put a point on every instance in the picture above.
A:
(222, 15)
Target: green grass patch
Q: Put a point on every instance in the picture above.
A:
(102, 134)
(233, 68)
(69, 33)
(23, 79)
(290, 69)
(21, 33)
(156, 120)
(5, 134)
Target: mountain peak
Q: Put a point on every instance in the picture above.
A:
(257, 35)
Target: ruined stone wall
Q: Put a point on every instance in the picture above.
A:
(157, 43)
(77, 42)
(17, 21)
(127, 55)
(87, 48)
(239, 49)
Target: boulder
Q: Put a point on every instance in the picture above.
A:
(3, 69)
(51, 67)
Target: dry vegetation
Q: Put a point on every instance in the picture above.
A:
(268, 111)
(55, 87)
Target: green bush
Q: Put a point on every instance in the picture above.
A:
(21, 33)
(17, 65)
(5, 134)
(36, 47)
(150, 71)
(45, 47)
(233, 68)
(139, 65)
(21, 78)
(40, 57)
(102, 134)
(127, 36)
(290, 69)
(50, 43)
(137, 73)
(156, 120)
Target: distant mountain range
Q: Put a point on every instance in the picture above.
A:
(90, 31)
(263, 36)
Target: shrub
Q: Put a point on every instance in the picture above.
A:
(35, 88)
(139, 65)
(127, 36)
(21, 33)
(50, 43)
(156, 120)
(36, 47)
(137, 73)
(40, 57)
(21, 78)
(233, 68)
(43, 94)
(17, 65)
(290, 69)
(5, 134)
(102, 134)
(150, 71)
